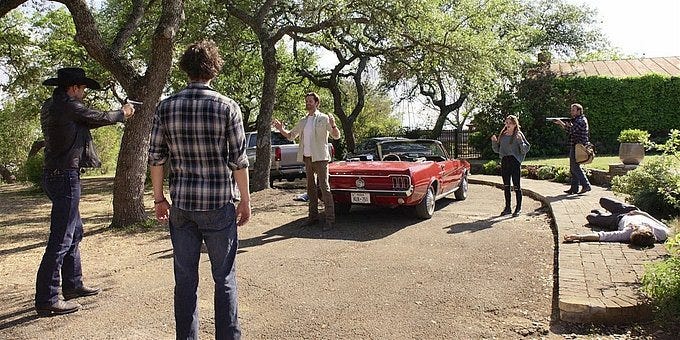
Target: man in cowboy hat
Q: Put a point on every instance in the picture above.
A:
(66, 125)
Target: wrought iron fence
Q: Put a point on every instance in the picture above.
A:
(457, 144)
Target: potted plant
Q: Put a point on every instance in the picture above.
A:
(632, 147)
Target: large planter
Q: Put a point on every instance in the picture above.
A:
(631, 153)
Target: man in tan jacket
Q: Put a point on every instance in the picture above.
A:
(314, 130)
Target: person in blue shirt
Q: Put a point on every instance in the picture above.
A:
(512, 147)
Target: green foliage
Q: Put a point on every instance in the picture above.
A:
(491, 168)
(546, 172)
(633, 136)
(655, 185)
(524, 172)
(562, 175)
(33, 168)
(661, 280)
(649, 103)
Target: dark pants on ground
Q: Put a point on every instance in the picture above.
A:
(188, 230)
(62, 254)
(320, 169)
(577, 174)
(610, 219)
(510, 170)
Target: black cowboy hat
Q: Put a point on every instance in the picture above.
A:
(72, 76)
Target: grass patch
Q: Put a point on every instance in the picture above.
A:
(600, 162)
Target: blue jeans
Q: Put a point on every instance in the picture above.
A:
(577, 174)
(62, 254)
(188, 230)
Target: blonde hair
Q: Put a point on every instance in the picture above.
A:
(515, 120)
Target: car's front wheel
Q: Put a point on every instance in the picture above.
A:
(425, 209)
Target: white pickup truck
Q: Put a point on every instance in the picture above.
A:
(284, 164)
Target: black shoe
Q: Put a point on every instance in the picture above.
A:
(57, 308)
(506, 211)
(584, 190)
(517, 212)
(570, 192)
(80, 292)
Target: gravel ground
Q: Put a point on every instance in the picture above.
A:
(381, 274)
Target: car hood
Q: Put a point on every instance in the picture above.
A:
(373, 167)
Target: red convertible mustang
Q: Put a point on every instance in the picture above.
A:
(390, 171)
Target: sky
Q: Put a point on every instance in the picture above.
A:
(649, 28)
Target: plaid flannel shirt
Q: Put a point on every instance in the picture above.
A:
(579, 131)
(200, 132)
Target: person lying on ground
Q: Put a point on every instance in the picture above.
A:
(623, 223)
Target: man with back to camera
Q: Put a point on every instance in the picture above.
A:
(313, 130)
(66, 125)
(200, 133)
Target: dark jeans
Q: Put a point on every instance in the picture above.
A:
(610, 220)
(511, 170)
(577, 174)
(62, 254)
(188, 230)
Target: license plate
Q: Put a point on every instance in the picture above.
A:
(360, 198)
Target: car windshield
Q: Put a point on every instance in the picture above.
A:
(413, 149)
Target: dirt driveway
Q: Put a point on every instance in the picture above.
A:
(382, 274)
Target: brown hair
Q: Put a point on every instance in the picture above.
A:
(515, 120)
(578, 106)
(315, 96)
(642, 236)
(201, 60)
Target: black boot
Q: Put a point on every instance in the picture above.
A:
(506, 193)
(518, 196)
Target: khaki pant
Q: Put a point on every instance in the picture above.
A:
(318, 172)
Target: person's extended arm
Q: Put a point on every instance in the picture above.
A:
(243, 208)
(333, 129)
(160, 204)
(279, 126)
(591, 237)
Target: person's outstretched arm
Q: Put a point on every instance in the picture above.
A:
(592, 237)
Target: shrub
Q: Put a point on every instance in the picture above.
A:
(633, 136)
(491, 168)
(562, 175)
(33, 169)
(655, 185)
(661, 280)
(524, 172)
(546, 172)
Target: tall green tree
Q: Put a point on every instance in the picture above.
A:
(473, 49)
(142, 77)
(271, 21)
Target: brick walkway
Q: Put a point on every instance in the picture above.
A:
(598, 282)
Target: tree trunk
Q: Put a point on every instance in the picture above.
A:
(128, 184)
(260, 178)
(441, 119)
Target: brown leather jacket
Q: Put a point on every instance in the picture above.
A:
(66, 125)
